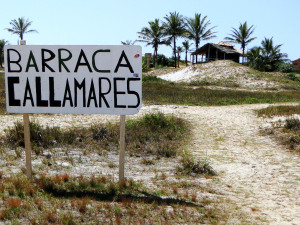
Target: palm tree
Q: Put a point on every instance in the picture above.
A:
(128, 42)
(20, 27)
(2, 43)
(174, 27)
(153, 35)
(267, 57)
(186, 45)
(197, 30)
(271, 54)
(255, 58)
(242, 36)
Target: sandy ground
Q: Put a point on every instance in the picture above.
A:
(220, 71)
(260, 176)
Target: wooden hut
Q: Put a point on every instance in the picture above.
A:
(216, 51)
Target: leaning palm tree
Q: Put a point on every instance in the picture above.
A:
(242, 36)
(197, 29)
(186, 45)
(20, 27)
(174, 27)
(153, 35)
(2, 43)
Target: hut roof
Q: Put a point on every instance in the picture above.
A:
(222, 46)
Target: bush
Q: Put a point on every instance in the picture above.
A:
(292, 76)
(292, 124)
(190, 165)
(286, 68)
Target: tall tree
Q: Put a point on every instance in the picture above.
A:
(154, 36)
(271, 54)
(186, 45)
(197, 29)
(128, 42)
(242, 36)
(2, 43)
(267, 57)
(174, 28)
(20, 27)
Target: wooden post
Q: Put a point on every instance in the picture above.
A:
(122, 148)
(27, 145)
(27, 138)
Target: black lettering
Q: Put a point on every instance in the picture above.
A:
(11, 91)
(44, 59)
(80, 86)
(94, 63)
(67, 95)
(133, 92)
(61, 60)
(92, 95)
(39, 101)
(14, 62)
(53, 102)
(85, 63)
(116, 92)
(101, 94)
(28, 94)
(31, 58)
(123, 55)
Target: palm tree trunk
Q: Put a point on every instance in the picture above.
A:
(174, 51)
(185, 58)
(243, 56)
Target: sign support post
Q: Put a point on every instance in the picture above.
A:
(122, 148)
(27, 138)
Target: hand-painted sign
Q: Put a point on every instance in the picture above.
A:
(100, 79)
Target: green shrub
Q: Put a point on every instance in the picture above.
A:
(292, 124)
(292, 76)
(286, 68)
(190, 165)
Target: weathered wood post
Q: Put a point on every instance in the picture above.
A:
(27, 138)
(122, 148)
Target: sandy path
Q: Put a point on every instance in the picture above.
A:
(263, 178)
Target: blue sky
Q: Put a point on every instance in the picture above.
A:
(97, 22)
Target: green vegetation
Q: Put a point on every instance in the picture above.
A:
(190, 165)
(63, 199)
(267, 57)
(158, 91)
(242, 36)
(283, 110)
(155, 134)
(287, 133)
(20, 27)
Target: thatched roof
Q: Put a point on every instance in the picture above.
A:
(221, 46)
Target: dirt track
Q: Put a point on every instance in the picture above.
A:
(262, 177)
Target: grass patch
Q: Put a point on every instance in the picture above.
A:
(282, 110)
(288, 132)
(158, 91)
(62, 199)
(190, 165)
(156, 134)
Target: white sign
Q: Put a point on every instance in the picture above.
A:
(98, 79)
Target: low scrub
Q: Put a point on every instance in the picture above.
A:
(156, 134)
(283, 110)
(158, 91)
(190, 165)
